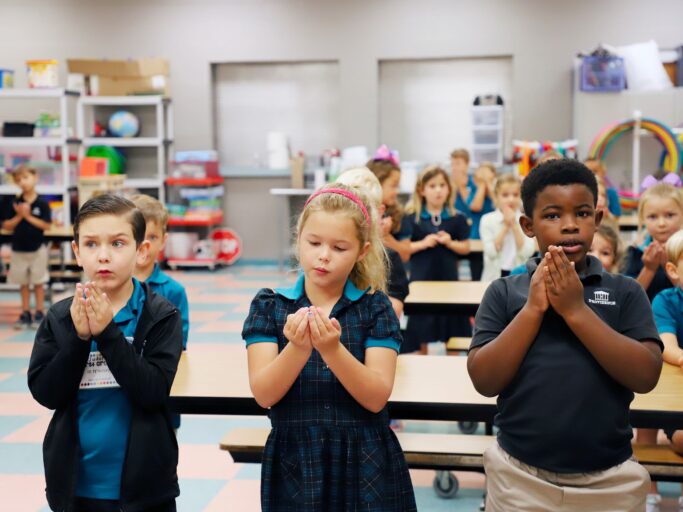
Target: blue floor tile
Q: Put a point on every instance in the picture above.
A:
(195, 495)
(249, 472)
(466, 500)
(12, 364)
(15, 384)
(23, 336)
(8, 424)
(21, 458)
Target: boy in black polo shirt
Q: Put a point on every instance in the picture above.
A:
(27, 216)
(564, 346)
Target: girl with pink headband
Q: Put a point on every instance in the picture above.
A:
(322, 356)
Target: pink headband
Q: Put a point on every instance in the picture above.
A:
(344, 193)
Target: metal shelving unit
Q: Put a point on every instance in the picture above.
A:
(198, 222)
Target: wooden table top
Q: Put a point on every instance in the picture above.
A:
(476, 246)
(628, 222)
(55, 233)
(426, 387)
(445, 296)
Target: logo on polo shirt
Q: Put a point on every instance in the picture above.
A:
(36, 211)
(602, 297)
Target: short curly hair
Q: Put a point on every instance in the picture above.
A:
(562, 171)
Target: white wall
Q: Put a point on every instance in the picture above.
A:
(542, 36)
(425, 105)
(300, 100)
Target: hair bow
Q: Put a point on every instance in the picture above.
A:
(670, 177)
(384, 153)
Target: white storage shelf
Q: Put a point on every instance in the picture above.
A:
(487, 134)
(64, 142)
(35, 141)
(150, 150)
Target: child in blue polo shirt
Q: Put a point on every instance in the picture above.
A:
(105, 360)
(322, 356)
(473, 198)
(564, 347)
(668, 309)
(156, 219)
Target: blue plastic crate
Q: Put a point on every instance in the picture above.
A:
(603, 74)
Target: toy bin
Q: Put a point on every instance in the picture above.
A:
(493, 155)
(603, 74)
(487, 115)
(6, 78)
(486, 135)
(42, 73)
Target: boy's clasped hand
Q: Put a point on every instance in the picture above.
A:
(91, 311)
(309, 328)
(22, 209)
(556, 284)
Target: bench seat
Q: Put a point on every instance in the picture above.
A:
(451, 452)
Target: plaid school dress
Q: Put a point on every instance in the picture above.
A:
(326, 453)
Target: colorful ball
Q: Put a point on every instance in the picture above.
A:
(123, 124)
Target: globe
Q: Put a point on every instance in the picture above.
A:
(123, 124)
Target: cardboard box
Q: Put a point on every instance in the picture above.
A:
(91, 186)
(122, 77)
(297, 166)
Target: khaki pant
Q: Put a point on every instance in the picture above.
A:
(28, 267)
(512, 485)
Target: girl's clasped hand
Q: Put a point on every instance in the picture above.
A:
(310, 329)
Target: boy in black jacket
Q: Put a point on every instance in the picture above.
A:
(105, 361)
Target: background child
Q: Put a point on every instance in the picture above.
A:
(473, 198)
(603, 205)
(555, 345)
(105, 360)
(668, 304)
(322, 355)
(363, 179)
(439, 236)
(661, 211)
(149, 271)
(395, 234)
(599, 168)
(505, 245)
(607, 247)
(27, 216)
(156, 221)
(667, 307)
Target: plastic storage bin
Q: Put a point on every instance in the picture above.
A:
(6, 78)
(487, 135)
(493, 155)
(487, 116)
(603, 74)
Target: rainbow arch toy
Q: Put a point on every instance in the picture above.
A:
(664, 160)
(609, 135)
